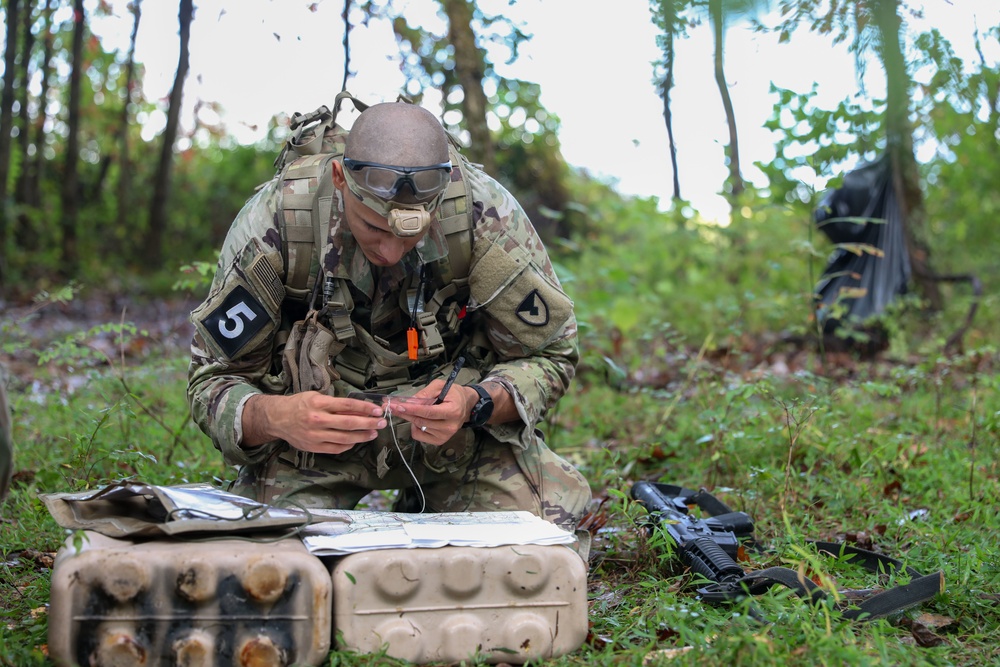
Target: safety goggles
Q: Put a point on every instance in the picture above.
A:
(386, 181)
(405, 219)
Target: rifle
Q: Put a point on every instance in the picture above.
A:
(709, 547)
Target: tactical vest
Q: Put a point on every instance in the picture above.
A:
(305, 207)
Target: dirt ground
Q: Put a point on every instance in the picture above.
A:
(162, 328)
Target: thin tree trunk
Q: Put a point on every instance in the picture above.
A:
(23, 229)
(899, 145)
(718, 25)
(469, 70)
(28, 227)
(24, 120)
(347, 43)
(6, 127)
(34, 197)
(124, 163)
(161, 190)
(70, 190)
(668, 84)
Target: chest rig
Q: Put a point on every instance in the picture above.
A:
(434, 299)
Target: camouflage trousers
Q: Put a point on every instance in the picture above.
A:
(471, 472)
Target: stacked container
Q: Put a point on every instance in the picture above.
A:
(261, 603)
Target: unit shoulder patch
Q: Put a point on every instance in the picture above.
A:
(533, 310)
(235, 321)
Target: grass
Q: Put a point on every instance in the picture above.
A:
(898, 453)
(901, 459)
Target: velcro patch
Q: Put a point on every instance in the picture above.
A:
(506, 283)
(235, 321)
(532, 309)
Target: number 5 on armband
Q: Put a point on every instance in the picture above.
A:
(235, 321)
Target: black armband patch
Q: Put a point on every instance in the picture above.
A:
(235, 321)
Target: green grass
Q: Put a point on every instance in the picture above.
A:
(684, 380)
(806, 456)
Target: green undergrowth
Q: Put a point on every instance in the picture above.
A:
(700, 368)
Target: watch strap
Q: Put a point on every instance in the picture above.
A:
(483, 408)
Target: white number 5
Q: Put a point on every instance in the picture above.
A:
(236, 315)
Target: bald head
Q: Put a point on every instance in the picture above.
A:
(397, 133)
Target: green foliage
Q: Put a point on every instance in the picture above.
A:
(196, 277)
(813, 144)
(639, 268)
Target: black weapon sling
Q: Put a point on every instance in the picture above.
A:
(919, 589)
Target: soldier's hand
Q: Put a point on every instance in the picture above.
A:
(311, 421)
(436, 424)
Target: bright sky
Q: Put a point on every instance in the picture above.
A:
(593, 64)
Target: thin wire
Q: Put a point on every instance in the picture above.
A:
(402, 457)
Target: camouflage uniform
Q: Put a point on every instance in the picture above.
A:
(517, 329)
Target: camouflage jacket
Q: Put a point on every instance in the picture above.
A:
(518, 306)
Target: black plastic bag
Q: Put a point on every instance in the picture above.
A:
(870, 266)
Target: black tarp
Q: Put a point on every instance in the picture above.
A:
(863, 213)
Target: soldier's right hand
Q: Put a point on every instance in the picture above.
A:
(311, 421)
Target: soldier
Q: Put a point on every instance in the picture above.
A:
(391, 312)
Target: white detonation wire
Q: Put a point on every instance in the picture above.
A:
(395, 441)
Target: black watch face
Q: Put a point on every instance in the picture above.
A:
(483, 409)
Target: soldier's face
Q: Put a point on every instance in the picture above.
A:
(371, 231)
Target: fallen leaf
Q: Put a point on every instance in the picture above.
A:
(41, 559)
(922, 634)
(935, 621)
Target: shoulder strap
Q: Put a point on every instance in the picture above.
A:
(305, 206)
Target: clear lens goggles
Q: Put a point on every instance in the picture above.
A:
(405, 219)
(385, 181)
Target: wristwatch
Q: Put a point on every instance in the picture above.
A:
(482, 410)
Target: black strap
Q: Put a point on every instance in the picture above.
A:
(919, 589)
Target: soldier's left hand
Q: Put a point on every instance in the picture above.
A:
(436, 424)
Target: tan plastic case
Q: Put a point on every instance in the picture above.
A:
(218, 603)
(501, 604)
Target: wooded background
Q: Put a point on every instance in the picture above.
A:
(85, 198)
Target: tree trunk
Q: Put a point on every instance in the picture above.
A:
(124, 163)
(153, 249)
(899, 145)
(6, 126)
(37, 166)
(347, 43)
(23, 188)
(719, 28)
(70, 190)
(470, 69)
(668, 84)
